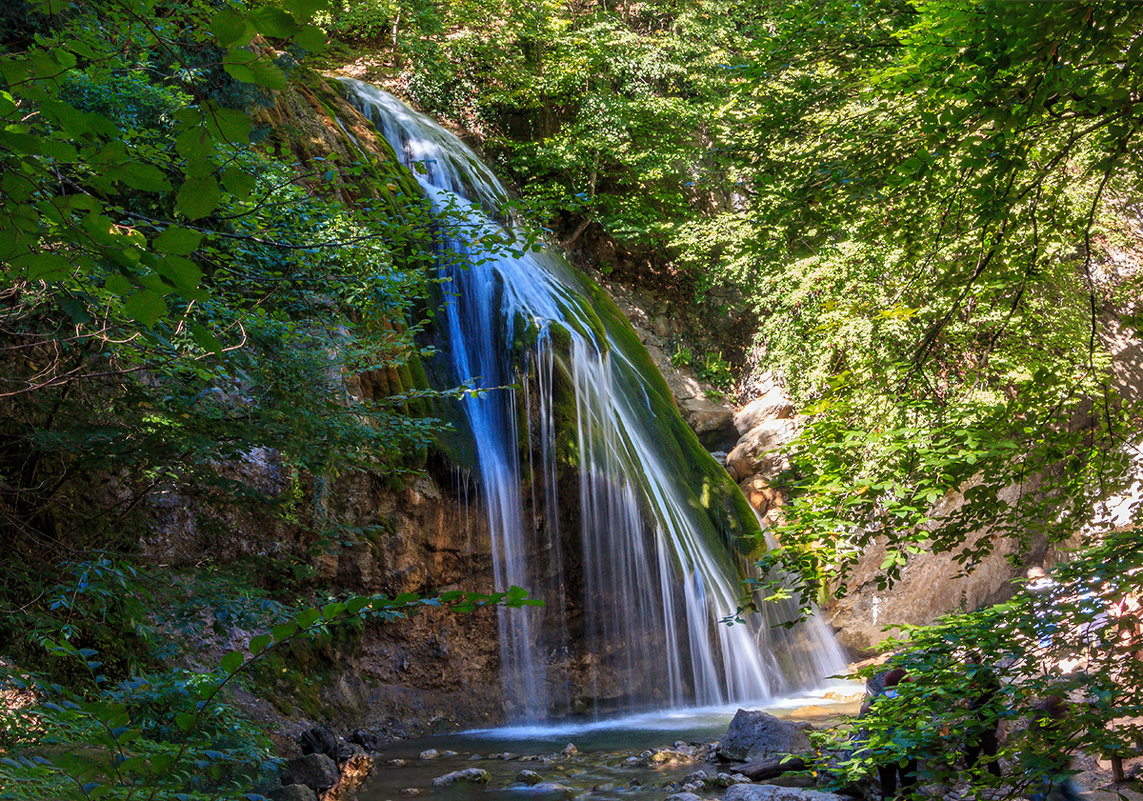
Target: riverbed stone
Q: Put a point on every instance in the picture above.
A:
(554, 789)
(430, 753)
(684, 797)
(755, 735)
(316, 771)
(468, 775)
(293, 792)
(770, 792)
(529, 777)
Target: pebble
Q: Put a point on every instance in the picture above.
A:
(430, 753)
(396, 763)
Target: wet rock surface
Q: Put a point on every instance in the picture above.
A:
(771, 792)
(754, 736)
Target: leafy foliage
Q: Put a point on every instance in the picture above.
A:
(171, 735)
(178, 296)
(1075, 636)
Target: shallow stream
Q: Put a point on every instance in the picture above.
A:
(609, 762)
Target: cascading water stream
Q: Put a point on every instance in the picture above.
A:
(634, 595)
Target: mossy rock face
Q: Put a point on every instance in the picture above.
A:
(718, 504)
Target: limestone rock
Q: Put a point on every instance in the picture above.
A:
(570, 749)
(774, 405)
(430, 753)
(552, 789)
(754, 735)
(709, 419)
(293, 792)
(770, 792)
(759, 451)
(684, 797)
(316, 771)
(470, 775)
(930, 585)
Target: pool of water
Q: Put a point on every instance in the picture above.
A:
(606, 764)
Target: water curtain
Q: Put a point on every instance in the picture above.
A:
(599, 499)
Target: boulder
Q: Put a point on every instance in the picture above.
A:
(469, 775)
(759, 451)
(770, 792)
(754, 736)
(774, 405)
(318, 740)
(293, 792)
(712, 421)
(684, 797)
(316, 771)
(365, 739)
(552, 789)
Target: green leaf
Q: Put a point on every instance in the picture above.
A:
(46, 266)
(146, 306)
(228, 125)
(240, 72)
(178, 241)
(238, 182)
(311, 38)
(186, 720)
(305, 9)
(269, 75)
(274, 22)
(231, 28)
(284, 630)
(307, 618)
(182, 273)
(198, 197)
(206, 340)
(144, 177)
(232, 661)
(258, 644)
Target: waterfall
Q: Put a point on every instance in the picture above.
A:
(599, 499)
